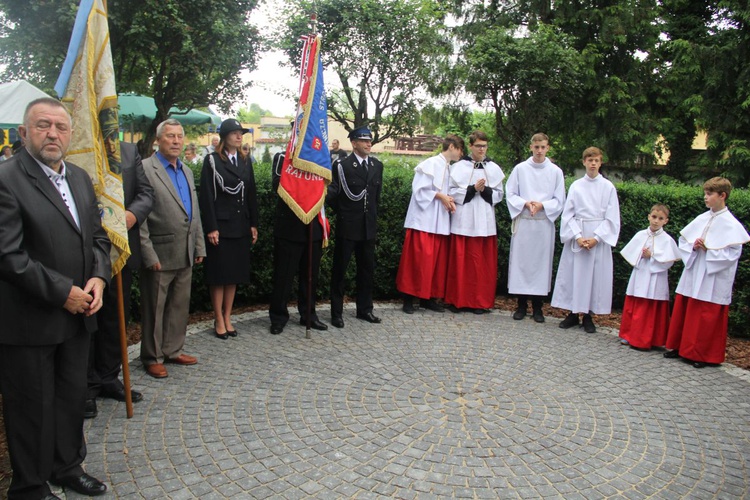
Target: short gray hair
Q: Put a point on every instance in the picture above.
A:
(49, 101)
(168, 121)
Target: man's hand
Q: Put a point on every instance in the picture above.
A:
(646, 253)
(254, 232)
(534, 207)
(699, 244)
(198, 260)
(479, 186)
(156, 267)
(213, 237)
(130, 219)
(78, 300)
(95, 287)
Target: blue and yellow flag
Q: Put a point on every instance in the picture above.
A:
(307, 164)
(87, 87)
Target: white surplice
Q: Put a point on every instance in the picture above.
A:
(584, 277)
(649, 280)
(426, 213)
(709, 275)
(532, 244)
(477, 217)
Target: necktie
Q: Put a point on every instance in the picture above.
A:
(364, 164)
(234, 161)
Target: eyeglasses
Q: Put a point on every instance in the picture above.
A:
(479, 146)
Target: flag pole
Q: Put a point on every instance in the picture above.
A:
(310, 297)
(124, 346)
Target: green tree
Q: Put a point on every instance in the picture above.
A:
(529, 81)
(705, 85)
(252, 114)
(266, 157)
(613, 40)
(686, 30)
(617, 39)
(380, 51)
(184, 53)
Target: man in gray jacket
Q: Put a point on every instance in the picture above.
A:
(171, 242)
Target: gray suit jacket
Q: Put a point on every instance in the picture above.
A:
(43, 253)
(167, 235)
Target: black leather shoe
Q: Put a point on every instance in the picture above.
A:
(222, 336)
(118, 394)
(83, 484)
(89, 409)
(519, 314)
(699, 364)
(588, 324)
(232, 333)
(314, 324)
(337, 321)
(570, 321)
(276, 329)
(480, 310)
(369, 317)
(432, 305)
(50, 496)
(672, 354)
(538, 316)
(408, 307)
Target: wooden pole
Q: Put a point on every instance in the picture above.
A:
(124, 346)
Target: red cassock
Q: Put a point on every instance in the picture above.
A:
(645, 322)
(698, 329)
(424, 264)
(472, 271)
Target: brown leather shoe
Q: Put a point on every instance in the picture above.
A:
(157, 370)
(182, 359)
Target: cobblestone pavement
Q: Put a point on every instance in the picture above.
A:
(425, 406)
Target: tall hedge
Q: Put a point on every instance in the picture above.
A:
(685, 202)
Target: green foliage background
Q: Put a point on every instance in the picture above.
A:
(636, 199)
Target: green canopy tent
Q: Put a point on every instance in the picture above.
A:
(138, 111)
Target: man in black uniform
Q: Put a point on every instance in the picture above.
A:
(354, 194)
(336, 152)
(290, 257)
(105, 358)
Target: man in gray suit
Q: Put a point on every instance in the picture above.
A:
(171, 242)
(54, 265)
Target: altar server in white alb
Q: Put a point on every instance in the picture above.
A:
(651, 252)
(589, 229)
(711, 246)
(476, 185)
(535, 194)
(424, 258)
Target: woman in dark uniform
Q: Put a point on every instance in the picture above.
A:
(229, 212)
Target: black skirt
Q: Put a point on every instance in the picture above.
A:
(228, 263)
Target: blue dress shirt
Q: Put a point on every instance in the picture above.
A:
(177, 175)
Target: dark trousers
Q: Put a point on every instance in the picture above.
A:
(105, 355)
(44, 389)
(364, 254)
(290, 258)
(536, 301)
